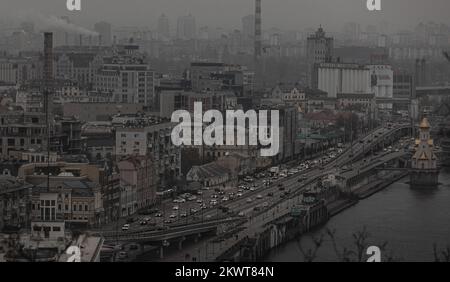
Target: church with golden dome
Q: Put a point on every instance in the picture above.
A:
(424, 165)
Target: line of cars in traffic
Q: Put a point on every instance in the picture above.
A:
(219, 196)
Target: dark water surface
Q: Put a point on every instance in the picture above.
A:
(410, 221)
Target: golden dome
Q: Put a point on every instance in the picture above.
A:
(425, 123)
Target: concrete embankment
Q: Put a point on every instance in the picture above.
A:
(376, 186)
(340, 205)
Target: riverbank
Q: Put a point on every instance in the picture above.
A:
(341, 205)
(376, 186)
(409, 220)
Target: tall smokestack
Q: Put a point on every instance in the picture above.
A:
(48, 69)
(258, 44)
(99, 40)
(81, 40)
(48, 91)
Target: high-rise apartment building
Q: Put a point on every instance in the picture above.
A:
(129, 79)
(186, 27)
(319, 49)
(104, 33)
(248, 26)
(163, 27)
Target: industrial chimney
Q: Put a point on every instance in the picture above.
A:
(258, 43)
(81, 40)
(48, 70)
(48, 91)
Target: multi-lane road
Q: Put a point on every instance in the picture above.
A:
(262, 197)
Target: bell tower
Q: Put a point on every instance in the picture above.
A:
(424, 168)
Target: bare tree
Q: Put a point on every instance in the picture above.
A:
(441, 256)
(310, 254)
(355, 253)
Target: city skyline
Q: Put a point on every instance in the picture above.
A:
(292, 15)
(144, 133)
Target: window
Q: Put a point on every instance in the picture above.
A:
(74, 207)
(86, 208)
(56, 228)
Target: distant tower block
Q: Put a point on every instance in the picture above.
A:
(424, 168)
(258, 32)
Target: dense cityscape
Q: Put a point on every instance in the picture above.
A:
(89, 170)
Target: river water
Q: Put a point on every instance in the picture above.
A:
(410, 221)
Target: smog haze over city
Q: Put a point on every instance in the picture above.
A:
(284, 14)
(217, 131)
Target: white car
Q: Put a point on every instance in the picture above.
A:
(125, 227)
(175, 208)
(259, 197)
(173, 215)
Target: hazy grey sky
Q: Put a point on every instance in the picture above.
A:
(286, 14)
